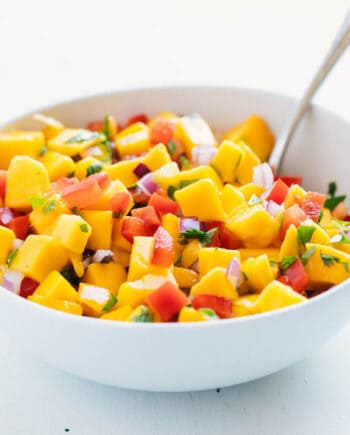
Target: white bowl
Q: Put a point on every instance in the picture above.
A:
(193, 356)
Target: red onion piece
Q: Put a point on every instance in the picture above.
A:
(17, 243)
(273, 208)
(102, 256)
(203, 155)
(233, 272)
(263, 176)
(189, 223)
(12, 280)
(141, 170)
(147, 184)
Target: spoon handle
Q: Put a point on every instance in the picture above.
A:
(338, 47)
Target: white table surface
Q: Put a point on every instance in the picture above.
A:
(50, 51)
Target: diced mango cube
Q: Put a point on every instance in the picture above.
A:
(249, 160)
(251, 189)
(38, 256)
(157, 157)
(68, 307)
(77, 263)
(87, 166)
(73, 141)
(185, 278)
(123, 171)
(171, 223)
(227, 159)
(201, 199)
(44, 216)
(258, 272)
(188, 314)
(101, 223)
(94, 299)
(109, 276)
(296, 194)
(133, 140)
(57, 165)
(19, 143)
(26, 178)
(215, 283)
(190, 253)
(6, 243)
(198, 173)
(244, 306)
(290, 246)
(118, 240)
(55, 286)
(121, 314)
(232, 198)
(72, 231)
(272, 253)
(208, 258)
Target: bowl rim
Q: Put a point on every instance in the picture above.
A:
(174, 325)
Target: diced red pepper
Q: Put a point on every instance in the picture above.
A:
(95, 126)
(167, 301)
(83, 194)
(120, 202)
(62, 183)
(134, 226)
(138, 195)
(148, 215)
(102, 179)
(28, 287)
(296, 276)
(289, 181)
(139, 117)
(3, 177)
(278, 192)
(163, 204)
(162, 131)
(293, 215)
(20, 226)
(228, 240)
(313, 204)
(283, 279)
(221, 306)
(164, 250)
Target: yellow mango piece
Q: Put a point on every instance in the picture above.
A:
(190, 253)
(118, 241)
(254, 226)
(188, 314)
(52, 126)
(244, 306)
(72, 231)
(185, 278)
(171, 223)
(72, 141)
(276, 295)
(121, 314)
(68, 307)
(157, 157)
(133, 140)
(295, 195)
(272, 253)
(94, 299)
(57, 165)
(122, 257)
(232, 198)
(104, 202)
(208, 258)
(20, 143)
(201, 199)
(258, 272)
(327, 265)
(192, 130)
(215, 283)
(26, 178)
(101, 223)
(249, 160)
(227, 159)
(319, 235)
(290, 246)
(141, 312)
(134, 293)
(327, 223)
(251, 189)
(256, 133)
(166, 115)
(77, 263)
(109, 276)
(166, 175)
(55, 286)
(123, 171)
(87, 166)
(198, 173)
(6, 243)
(43, 218)
(38, 256)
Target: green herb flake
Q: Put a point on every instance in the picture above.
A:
(145, 316)
(69, 274)
(331, 203)
(84, 228)
(170, 192)
(85, 136)
(288, 261)
(12, 256)
(93, 169)
(305, 233)
(185, 164)
(37, 202)
(320, 216)
(106, 127)
(76, 211)
(185, 183)
(71, 174)
(43, 150)
(205, 237)
(329, 260)
(255, 200)
(332, 188)
(49, 206)
(209, 313)
(307, 255)
(110, 303)
(171, 147)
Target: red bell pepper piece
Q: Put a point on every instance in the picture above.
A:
(164, 250)
(221, 306)
(167, 301)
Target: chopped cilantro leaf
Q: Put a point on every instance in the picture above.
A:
(12, 256)
(69, 274)
(209, 313)
(332, 188)
(106, 127)
(49, 206)
(171, 147)
(93, 169)
(328, 260)
(110, 303)
(305, 233)
(288, 261)
(185, 183)
(71, 174)
(84, 228)
(205, 237)
(170, 192)
(37, 202)
(145, 316)
(331, 203)
(84, 137)
(255, 200)
(43, 150)
(307, 255)
(184, 163)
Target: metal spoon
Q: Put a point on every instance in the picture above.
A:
(341, 42)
